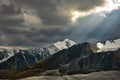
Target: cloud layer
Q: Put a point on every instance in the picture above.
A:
(42, 22)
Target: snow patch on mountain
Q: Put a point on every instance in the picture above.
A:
(109, 45)
(64, 44)
(5, 54)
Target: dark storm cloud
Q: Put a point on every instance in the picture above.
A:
(56, 12)
(9, 10)
(14, 40)
(82, 5)
(11, 22)
(9, 16)
(45, 36)
(39, 22)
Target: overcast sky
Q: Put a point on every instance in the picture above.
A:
(43, 22)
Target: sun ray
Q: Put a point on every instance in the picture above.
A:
(109, 6)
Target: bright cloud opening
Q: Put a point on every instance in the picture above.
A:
(109, 6)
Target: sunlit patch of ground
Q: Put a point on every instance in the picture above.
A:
(103, 75)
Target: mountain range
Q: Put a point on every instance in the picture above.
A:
(20, 58)
(63, 58)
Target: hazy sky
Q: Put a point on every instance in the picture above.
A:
(42, 22)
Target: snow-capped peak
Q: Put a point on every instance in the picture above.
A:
(64, 44)
(8, 51)
(67, 40)
(109, 45)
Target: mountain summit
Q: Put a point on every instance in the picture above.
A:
(20, 58)
(64, 44)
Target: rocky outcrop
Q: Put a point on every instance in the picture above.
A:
(94, 62)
